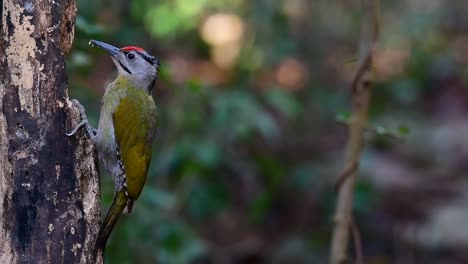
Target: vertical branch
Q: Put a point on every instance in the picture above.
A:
(49, 185)
(360, 97)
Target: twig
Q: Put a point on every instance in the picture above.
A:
(360, 97)
(363, 68)
(357, 244)
(345, 174)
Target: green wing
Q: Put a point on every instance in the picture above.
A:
(135, 126)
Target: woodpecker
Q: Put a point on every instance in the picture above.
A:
(126, 129)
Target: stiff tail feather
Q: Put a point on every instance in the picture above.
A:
(118, 205)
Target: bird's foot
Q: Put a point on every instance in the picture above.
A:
(84, 122)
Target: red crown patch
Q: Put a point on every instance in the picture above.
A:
(130, 48)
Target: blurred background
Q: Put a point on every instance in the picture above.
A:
(253, 98)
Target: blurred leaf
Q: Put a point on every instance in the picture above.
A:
(381, 131)
(273, 170)
(87, 28)
(172, 21)
(404, 131)
(393, 133)
(305, 176)
(344, 117)
(364, 196)
(159, 199)
(260, 207)
(206, 198)
(178, 244)
(208, 153)
(283, 101)
(79, 60)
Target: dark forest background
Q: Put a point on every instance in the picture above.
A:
(253, 97)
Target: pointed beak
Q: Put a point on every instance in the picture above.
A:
(113, 51)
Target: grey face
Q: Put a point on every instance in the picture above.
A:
(133, 63)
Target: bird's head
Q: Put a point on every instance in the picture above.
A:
(133, 63)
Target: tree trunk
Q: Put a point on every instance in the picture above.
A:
(49, 185)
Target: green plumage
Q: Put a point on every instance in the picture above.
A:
(128, 122)
(135, 126)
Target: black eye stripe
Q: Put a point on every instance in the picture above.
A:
(150, 59)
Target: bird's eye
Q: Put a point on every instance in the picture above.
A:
(130, 56)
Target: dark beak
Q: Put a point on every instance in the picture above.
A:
(107, 47)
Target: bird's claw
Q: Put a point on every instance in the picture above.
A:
(84, 121)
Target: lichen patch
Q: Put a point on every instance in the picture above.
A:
(19, 53)
(51, 228)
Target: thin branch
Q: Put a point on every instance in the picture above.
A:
(360, 87)
(352, 168)
(363, 68)
(357, 244)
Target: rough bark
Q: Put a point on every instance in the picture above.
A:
(49, 188)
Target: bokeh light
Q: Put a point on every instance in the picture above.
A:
(222, 28)
(224, 32)
(291, 74)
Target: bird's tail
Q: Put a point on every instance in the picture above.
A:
(118, 205)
